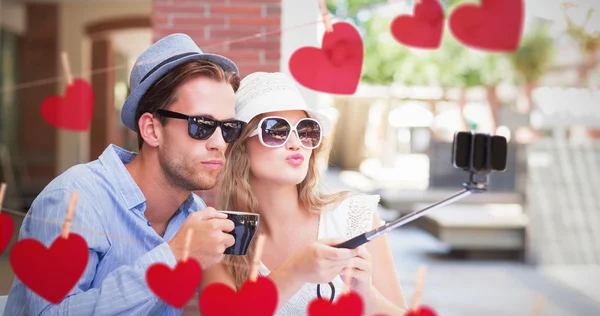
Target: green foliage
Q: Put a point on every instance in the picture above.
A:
(535, 54)
(451, 65)
(588, 42)
(385, 61)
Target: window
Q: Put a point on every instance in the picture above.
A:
(8, 97)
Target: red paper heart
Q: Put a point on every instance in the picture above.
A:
(421, 311)
(7, 228)
(254, 299)
(496, 25)
(424, 29)
(74, 111)
(334, 68)
(50, 272)
(175, 286)
(347, 305)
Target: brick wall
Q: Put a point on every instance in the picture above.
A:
(103, 128)
(39, 51)
(226, 27)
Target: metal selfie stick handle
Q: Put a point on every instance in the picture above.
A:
(477, 184)
(477, 153)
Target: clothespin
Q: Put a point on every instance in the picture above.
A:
(186, 246)
(67, 68)
(326, 16)
(2, 192)
(416, 299)
(260, 240)
(70, 214)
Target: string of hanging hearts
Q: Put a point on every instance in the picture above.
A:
(55, 270)
(335, 67)
(62, 264)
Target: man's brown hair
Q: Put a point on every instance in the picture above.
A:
(163, 92)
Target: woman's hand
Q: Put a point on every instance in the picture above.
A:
(360, 270)
(317, 263)
(320, 262)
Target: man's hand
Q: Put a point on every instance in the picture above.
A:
(210, 237)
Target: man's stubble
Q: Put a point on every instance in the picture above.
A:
(184, 173)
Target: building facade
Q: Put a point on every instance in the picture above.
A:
(102, 39)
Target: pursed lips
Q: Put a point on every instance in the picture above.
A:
(295, 160)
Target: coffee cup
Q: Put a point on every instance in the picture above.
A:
(246, 225)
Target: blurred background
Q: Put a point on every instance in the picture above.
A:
(530, 246)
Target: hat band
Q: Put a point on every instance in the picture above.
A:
(166, 61)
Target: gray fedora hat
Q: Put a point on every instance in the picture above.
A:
(160, 58)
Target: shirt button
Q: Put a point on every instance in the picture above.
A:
(148, 222)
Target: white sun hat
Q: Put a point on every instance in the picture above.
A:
(263, 92)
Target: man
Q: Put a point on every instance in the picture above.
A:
(134, 209)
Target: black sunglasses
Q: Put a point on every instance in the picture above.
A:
(202, 127)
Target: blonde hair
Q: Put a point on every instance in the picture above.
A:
(236, 194)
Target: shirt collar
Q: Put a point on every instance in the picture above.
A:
(193, 204)
(114, 159)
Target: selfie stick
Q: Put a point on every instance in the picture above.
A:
(477, 153)
(477, 184)
(470, 187)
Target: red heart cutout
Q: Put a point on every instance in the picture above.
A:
(175, 286)
(496, 25)
(350, 304)
(334, 68)
(424, 29)
(421, 311)
(50, 272)
(254, 298)
(7, 228)
(75, 111)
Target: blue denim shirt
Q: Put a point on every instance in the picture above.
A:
(122, 244)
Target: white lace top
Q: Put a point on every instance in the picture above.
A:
(350, 218)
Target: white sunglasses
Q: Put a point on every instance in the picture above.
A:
(274, 131)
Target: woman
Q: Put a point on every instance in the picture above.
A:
(272, 170)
